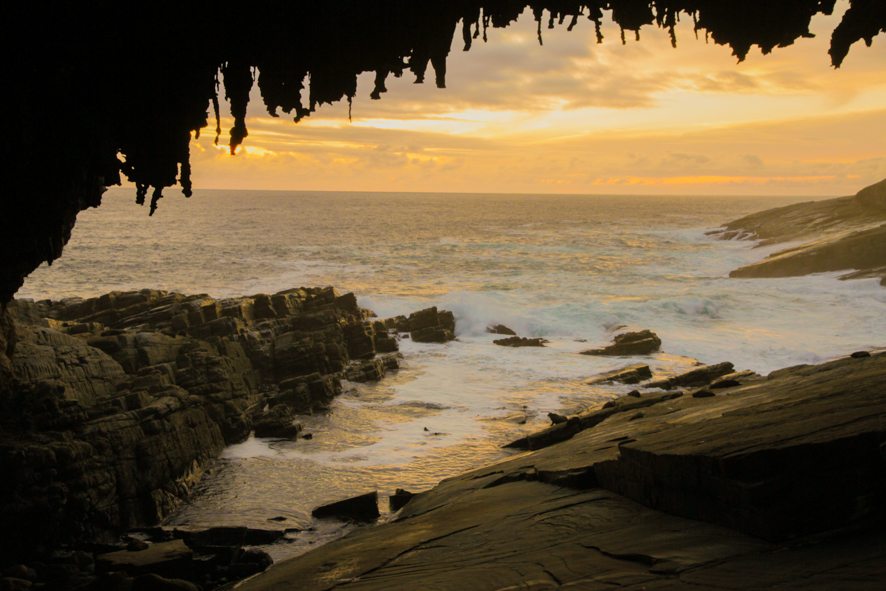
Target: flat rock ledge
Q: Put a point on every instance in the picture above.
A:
(776, 483)
(111, 407)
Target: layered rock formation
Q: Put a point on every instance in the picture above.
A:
(848, 233)
(116, 404)
(776, 483)
(136, 80)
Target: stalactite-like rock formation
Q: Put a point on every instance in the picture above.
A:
(98, 90)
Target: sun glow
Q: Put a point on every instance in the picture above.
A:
(574, 116)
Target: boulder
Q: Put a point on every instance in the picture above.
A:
(644, 342)
(556, 419)
(369, 370)
(399, 499)
(362, 508)
(500, 329)
(432, 334)
(631, 374)
(278, 422)
(520, 342)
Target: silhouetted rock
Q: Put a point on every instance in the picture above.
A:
(500, 329)
(399, 499)
(361, 508)
(520, 342)
(644, 342)
(556, 419)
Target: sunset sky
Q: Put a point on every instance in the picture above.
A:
(577, 117)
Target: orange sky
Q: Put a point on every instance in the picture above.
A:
(577, 117)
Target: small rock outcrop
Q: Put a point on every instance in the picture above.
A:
(114, 405)
(425, 326)
(632, 374)
(500, 329)
(362, 508)
(399, 499)
(644, 342)
(520, 342)
(700, 376)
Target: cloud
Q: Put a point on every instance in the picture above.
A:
(575, 116)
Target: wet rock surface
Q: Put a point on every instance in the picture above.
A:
(643, 342)
(777, 483)
(115, 405)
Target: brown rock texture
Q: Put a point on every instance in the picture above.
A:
(778, 483)
(116, 404)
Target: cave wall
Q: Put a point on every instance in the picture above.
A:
(102, 90)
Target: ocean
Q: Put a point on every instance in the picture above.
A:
(563, 267)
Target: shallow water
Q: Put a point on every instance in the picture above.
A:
(568, 268)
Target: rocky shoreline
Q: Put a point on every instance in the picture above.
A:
(113, 407)
(845, 234)
(774, 482)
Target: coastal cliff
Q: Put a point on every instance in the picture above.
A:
(848, 233)
(112, 407)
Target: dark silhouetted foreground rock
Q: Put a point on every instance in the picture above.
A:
(360, 508)
(644, 342)
(399, 499)
(116, 404)
(520, 342)
(777, 484)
